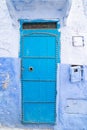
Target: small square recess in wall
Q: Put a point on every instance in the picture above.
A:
(78, 41)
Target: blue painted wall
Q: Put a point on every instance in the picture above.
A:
(10, 91)
(72, 100)
(70, 96)
(10, 95)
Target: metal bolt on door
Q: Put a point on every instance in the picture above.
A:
(39, 67)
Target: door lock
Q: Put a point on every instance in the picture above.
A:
(31, 68)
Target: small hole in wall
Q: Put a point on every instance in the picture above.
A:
(75, 70)
(76, 73)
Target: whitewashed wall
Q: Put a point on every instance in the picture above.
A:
(9, 47)
(76, 26)
(9, 34)
(9, 25)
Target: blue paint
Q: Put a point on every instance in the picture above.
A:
(53, 33)
(39, 112)
(43, 69)
(74, 91)
(39, 53)
(34, 50)
(10, 97)
(41, 91)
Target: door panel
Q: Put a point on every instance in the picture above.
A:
(42, 69)
(39, 91)
(38, 46)
(38, 75)
(39, 112)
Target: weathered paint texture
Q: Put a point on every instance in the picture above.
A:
(71, 98)
(75, 26)
(39, 9)
(9, 24)
(10, 90)
(9, 34)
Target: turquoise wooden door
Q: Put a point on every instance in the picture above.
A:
(38, 76)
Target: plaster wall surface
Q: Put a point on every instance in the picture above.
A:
(10, 97)
(75, 26)
(72, 100)
(10, 16)
(9, 34)
(10, 92)
(72, 97)
(38, 9)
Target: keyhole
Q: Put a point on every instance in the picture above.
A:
(31, 68)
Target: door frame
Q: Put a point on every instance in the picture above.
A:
(52, 32)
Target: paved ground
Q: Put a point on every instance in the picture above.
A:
(7, 128)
